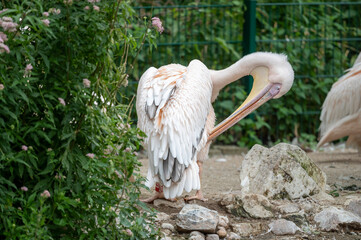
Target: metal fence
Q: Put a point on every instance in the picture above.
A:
(321, 40)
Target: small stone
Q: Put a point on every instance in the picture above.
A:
(166, 238)
(193, 217)
(223, 221)
(354, 206)
(307, 207)
(161, 216)
(195, 235)
(333, 218)
(227, 199)
(323, 198)
(222, 233)
(283, 227)
(166, 203)
(233, 236)
(212, 237)
(288, 208)
(221, 160)
(166, 232)
(257, 206)
(247, 229)
(168, 226)
(298, 218)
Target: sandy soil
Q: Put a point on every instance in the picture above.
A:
(221, 176)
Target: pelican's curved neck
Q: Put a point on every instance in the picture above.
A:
(221, 78)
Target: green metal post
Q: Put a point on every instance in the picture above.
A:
(249, 34)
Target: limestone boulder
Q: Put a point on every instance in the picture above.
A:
(193, 217)
(283, 171)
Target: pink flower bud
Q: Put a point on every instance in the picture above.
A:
(3, 48)
(86, 7)
(157, 24)
(45, 194)
(96, 8)
(90, 155)
(1, 87)
(3, 37)
(46, 22)
(45, 14)
(86, 83)
(61, 101)
(28, 68)
(24, 148)
(24, 189)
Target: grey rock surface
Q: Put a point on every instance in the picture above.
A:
(222, 233)
(247, 229)
(332, 218)
(193, 217)
(251, 206)
(168, 226)
(288, 208)
(283, 171)
(212, 237)
(161, 216)
(223, 221)
(233, 236)
(283, 227)
(195, 235)
(354, 206)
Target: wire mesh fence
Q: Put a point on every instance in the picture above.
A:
(321, 40)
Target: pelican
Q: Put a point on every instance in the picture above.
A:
(174, 107)
(341, 110)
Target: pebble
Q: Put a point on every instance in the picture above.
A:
(161, 216)
(288, 208)
(332, 218)
(233, 236)
(246, 229)
(212, 237)
(354, 206)
(195, 235)
(222, 233)
(193, 217)
(223, 221)
(168, 226)
(283, 227)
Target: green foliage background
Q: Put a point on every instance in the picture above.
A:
(321, 41)
(69, 170)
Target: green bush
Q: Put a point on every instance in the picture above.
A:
(68, 151)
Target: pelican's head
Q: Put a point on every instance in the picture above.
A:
(272, 78)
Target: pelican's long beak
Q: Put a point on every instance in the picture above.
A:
(262, 91)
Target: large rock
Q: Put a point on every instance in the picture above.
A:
(332, 218)
(283, 171)
(193, 217)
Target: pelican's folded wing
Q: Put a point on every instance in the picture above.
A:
(172, 106)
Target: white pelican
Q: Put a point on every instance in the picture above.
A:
(341, 110)
(174, 107)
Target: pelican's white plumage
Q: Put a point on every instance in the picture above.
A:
(341, 110)
(174, 107)
(174, 121)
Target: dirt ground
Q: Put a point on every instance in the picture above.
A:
(221, 176)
